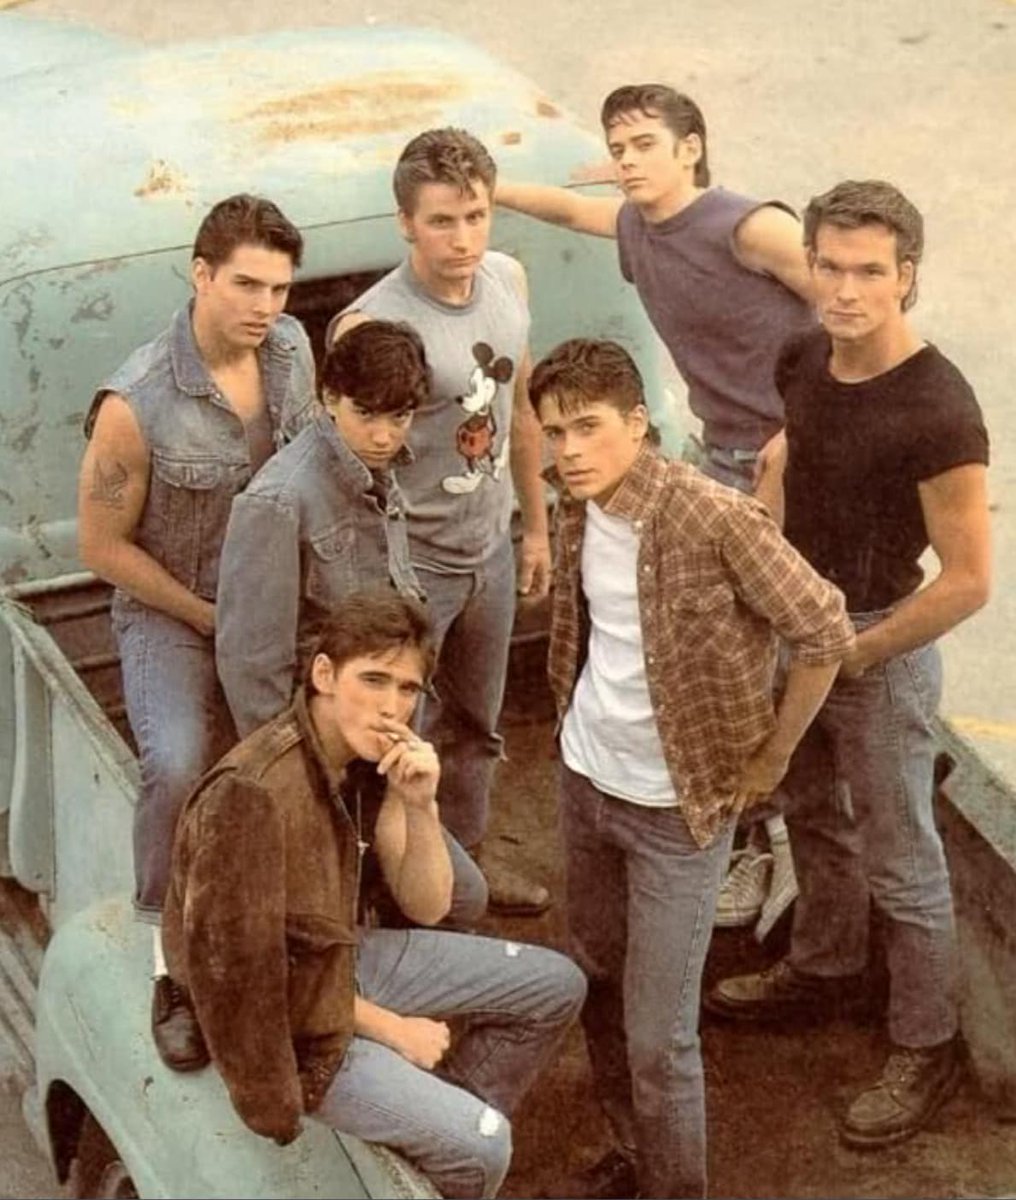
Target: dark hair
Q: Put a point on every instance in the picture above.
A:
(245, 220)
(582, 371)
(381, 365)
(448, 155)
(678, 112)
(855, 203)
(371, 622)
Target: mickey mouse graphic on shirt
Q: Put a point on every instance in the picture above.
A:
(474, 438)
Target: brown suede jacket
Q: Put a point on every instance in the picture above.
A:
(259, 922)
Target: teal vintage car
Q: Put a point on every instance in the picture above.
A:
(112, 154)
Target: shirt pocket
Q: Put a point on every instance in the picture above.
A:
(331, 564)
(704, 619)
(188, 506)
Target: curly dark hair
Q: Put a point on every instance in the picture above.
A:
(381, 365)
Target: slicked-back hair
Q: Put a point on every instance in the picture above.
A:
(678, 112)
(450, 156)
(854, 203)
(245, 220)
(382, 365)
(373, 622)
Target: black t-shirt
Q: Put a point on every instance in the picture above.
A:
(857, 452)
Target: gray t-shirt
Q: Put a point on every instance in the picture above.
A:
(722, 323)
(458, 488)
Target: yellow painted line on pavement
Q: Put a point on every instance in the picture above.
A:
(1003, 730)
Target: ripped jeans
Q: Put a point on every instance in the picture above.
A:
(453, 1123)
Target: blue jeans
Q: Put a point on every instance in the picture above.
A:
(859, 806)
(473, 614)
(178, 715)
(735, 468)
(517, 1001)
(641, 901)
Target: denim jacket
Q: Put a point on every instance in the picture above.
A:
(199, 454)
(314, 525)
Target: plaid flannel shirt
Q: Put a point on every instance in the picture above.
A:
(717, 582)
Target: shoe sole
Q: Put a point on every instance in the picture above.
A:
(861, 1141)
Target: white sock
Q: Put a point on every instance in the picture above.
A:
(158, 958)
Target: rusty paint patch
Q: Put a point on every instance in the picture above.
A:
(162, 180)
(14, 573)
(594, 172)
(98, 308)
(25, 438)
(547, 108)
(511, 137)
(377, 103)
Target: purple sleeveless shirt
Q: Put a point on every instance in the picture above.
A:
(722, 323)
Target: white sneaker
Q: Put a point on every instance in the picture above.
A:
(782, 888)
(745, 889)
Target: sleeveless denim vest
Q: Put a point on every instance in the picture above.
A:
(199, 454)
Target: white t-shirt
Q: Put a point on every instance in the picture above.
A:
(609, 732)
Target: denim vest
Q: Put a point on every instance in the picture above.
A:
(199, 454)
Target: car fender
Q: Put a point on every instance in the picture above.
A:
(177, 1134)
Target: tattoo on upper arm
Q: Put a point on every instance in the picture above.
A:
(108, 484)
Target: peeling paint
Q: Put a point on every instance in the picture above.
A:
(22, 443)
(34, 375)
(15, 572)
(98, 308)
(512, 949)
(511, 137)
(381, 102)
(601, 171)
(162, 179)
(547, 108)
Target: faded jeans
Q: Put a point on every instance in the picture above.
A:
(178, 715)
(473, 615)
(514, 1001)
(859, 794)
(641, 901)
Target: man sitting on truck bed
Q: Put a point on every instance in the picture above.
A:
(173, 435)
(321, 518)
(278, 853)
(477, 437)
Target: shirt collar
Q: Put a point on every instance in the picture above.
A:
(189, 368)
(301, 713)
(354, 468)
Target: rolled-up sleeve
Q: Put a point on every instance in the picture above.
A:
(257, 610)
(775, 581)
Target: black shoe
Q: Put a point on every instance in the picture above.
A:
(175, 1028)
(780, 993)
(913, 1086)
(611, 1177)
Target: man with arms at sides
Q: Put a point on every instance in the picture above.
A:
(724, 280)
(174, 434)
(886, 453)
(277, 853)
(474, 439)
(670, 592)
(322, 518)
